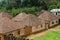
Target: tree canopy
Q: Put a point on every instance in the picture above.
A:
(29, 6)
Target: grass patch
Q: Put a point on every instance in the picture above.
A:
(52, 35)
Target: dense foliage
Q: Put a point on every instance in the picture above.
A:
(28, 6)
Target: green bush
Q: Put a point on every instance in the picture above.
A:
(58, 5)
(18, 38)
(15, 12)
(30, 10)
(3, 10)
(52, 7)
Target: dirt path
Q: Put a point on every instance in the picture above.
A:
(43, 33)
(36, 35)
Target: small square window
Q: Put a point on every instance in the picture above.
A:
(18, 32)
(56, 21)
(52, 22)
(56, 13)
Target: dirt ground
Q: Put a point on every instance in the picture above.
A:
(43, 33)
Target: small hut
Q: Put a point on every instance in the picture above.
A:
(49, 18)
(56, 12)
(30, 22)
(6, 25)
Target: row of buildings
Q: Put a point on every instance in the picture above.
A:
(56, 12)
(24, 24)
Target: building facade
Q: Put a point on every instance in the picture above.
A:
(24, 24)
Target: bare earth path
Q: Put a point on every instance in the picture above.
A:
(43, 33)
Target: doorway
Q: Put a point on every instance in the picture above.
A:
(0, 38)
(46, 26)
(59, 21)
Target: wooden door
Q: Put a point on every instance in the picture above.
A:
(46, 26)
(59, 21)
(0, 38)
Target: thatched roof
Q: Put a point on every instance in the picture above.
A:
(26, 19)
(20, 17)
(5, 14)
(30, 20)
(38, 13)
(7, 25)
(47, 16)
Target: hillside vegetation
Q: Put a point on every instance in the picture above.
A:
(28, 6)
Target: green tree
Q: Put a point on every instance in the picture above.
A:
(44, 5)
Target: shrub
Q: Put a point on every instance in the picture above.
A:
(15, 12)
(3, 10)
